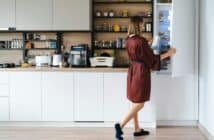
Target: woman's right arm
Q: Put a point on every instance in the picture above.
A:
(169, 53)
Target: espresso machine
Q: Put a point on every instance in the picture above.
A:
(79, 56)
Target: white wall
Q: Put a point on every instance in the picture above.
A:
(206, 76)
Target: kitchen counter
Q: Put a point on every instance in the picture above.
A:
(49, 69)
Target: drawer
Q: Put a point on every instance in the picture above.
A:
(4, 109)
(4, 90)
(4, 77)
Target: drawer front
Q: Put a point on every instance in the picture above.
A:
(4, 109)
(4, 77)
(4, 90)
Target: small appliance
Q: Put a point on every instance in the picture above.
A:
(43, 61)
(79, 56)
(57, 60)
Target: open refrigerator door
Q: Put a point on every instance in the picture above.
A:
(163, 33)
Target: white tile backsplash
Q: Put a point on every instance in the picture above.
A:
(10, 56)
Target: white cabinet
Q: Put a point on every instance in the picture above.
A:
(25, 96)
(71, 14)
(7, 14)
(116, 104)
(4, 77)
(4, 109)
(4, 90)
(88, 96)
(4, 80)
(34, 14)
(57, 95)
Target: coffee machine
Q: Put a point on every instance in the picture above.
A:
(79, 56)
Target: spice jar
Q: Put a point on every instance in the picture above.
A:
(98, 13)
(105, 27)
(110, 28)
(116, 27)
(125, 13)
(105, 14)
(111, 13)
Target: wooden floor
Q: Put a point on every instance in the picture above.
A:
(179, 133)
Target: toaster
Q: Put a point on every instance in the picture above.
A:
(43, 61)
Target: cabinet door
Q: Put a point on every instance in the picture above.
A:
(34, 14)
(25, 96)
(71, 14)
(7, 14)
(88, 96)
(4, 109)
(4, 77)
(115, 101)
(4, 88)
(57, 95)
(183, 37)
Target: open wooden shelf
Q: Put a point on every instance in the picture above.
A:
(123, 2)
(41, 40)
(104, 48)
(10, 49)
(116, 32)
(115, 17)
(41, 49)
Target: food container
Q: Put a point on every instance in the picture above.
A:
(116, 28)
(124, 28)
(98, 27)
(111, 13)
(98, 13)
(105, 14)
(125, 13)
(105, 27)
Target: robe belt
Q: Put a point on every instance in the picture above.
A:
(138, 62)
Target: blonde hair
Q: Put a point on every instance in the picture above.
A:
(134, 25)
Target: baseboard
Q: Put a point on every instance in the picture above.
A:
(205, 132)
(161, 123)
(70, 124)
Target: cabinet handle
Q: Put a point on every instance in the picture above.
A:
(12, 28)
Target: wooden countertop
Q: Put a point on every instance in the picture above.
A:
(51, 69)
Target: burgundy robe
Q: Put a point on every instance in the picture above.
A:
(139, 74)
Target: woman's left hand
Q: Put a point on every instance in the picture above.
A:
(150, 42)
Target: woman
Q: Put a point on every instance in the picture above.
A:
(143, 61)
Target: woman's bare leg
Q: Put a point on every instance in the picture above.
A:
(136, 123)
(132, 112)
